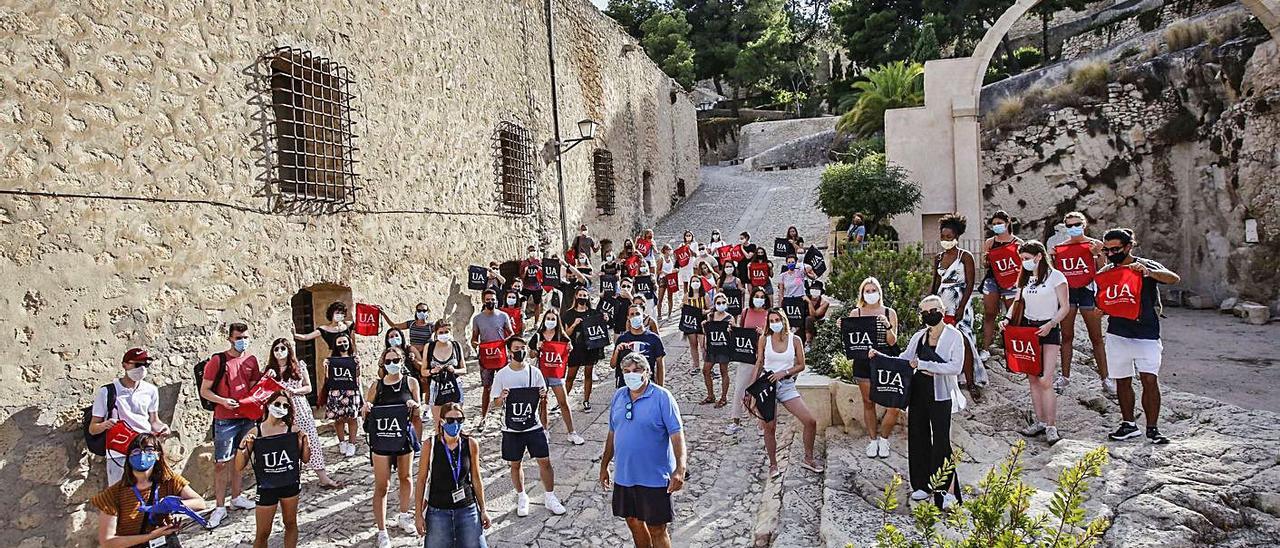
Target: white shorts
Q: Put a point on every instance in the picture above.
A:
(1127, 357)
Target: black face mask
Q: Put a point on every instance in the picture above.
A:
(517, 355)
(490, 305)
(1118, 258)
(582, 302)
(931, 318)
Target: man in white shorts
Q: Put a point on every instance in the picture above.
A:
(1133, 346)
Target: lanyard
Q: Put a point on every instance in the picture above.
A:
(456, 469)
(146, 508)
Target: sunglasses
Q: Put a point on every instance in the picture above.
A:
(284, 406)
(1113, 249)
(391, 362)
(142, 450)
(284, 348)
(1073, 225)
(453, 420)
(422, 310)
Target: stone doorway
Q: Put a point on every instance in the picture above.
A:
(307, 307)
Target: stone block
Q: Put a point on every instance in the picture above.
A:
(1228, 305)
(1255, 313)
(1199, 302)
(816, 391)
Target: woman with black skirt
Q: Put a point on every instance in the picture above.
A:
(582, 357)
(277, 452)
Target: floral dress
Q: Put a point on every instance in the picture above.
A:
(342, 403)
(305, 421)
(951, 288)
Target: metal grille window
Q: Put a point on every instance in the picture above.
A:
(310, 154)
(602, 171)
(513, 169)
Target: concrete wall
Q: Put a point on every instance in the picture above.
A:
(150, 102)
(758, 137)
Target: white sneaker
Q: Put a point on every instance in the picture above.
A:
(553, 503)
(1060, 384)
(1034, 429)
(919, 495)
(216, 517)
(342, 448)
(522, 504)
(243, 503)
(873, 448)
(882, 448)
(595, 376)
(405, 521)
(732, 429)
(948, 500)
(575, 439)
(351, 449)
(384, 541)
(984, 355)
(1109, 386)
(1051, 435)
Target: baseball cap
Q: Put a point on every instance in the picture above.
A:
(136, 355)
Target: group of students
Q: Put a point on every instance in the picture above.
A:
(726, 291)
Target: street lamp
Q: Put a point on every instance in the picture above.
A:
(586, 128)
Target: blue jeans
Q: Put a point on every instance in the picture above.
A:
(454, 528)
(227, 434)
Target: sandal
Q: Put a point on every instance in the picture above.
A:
(708, 399)
(723, 402)
(331, 485)
(774, 472)
(815, 468)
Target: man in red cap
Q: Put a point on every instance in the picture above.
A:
(136, 405)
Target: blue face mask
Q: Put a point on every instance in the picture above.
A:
(452, 429)
(241, 345)
(144, 461)
(394, 341)
(1000, 228)
(1075, 231)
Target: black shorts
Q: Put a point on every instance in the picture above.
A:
(580, 357)
(862, 368)
(1054, 336)
(271, 496)
(515, 443)
(533, 295)
(718, 357)
(1082, 298)
(652, 505)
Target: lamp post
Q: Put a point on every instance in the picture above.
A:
(586, 130)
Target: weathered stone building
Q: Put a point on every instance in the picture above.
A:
(139, 205)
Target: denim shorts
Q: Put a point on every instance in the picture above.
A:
(1083, 298)
(989, 286)
(787, 390)
(553, 381)
(227, 434)
(454, 528)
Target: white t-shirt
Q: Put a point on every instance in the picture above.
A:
(508, 378)
(133, 405)
(1040, 301)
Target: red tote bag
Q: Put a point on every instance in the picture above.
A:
(552, 359)
(758, 273)
(493, 354)
(517, 321)
(673, 282)
(738, 253)
(1076, 263)
(725, 253)
(253, 405)
(644, 247)
(1006, 265)
(119, 437)
(1022, 350)
(366, 319)
(633, 265)
(683, 254)
(1120, 292)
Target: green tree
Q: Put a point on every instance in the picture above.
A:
(895, 85)
(872, 186)
(666, 41)
(631, 14)
(1045, 10)
(926, 46)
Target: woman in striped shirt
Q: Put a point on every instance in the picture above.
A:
(147, 480)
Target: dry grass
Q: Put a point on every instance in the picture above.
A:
(1184, 34)
(1007, 112)
(1091, 79)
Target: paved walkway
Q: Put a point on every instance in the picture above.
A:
(726, 484)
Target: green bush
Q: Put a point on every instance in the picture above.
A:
(1091, 79)
(998, 512)
(826, 346)
(903, 272)
(872, 186)
(1028, 56)
(858, 149)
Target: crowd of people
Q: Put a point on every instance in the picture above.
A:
(546, 330)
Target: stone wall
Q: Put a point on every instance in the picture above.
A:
(1182, 150)
(149, 104)
(1134, 24)
(761, 136)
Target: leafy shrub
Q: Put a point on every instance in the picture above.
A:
(998, 513)
(826, 348)
(893, 85)
(871, 186)
(1028, 56)
(857, 149)
(1183, 34)
(902, 270)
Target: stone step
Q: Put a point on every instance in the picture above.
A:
(798, 523)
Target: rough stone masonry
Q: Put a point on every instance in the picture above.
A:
(152, 102)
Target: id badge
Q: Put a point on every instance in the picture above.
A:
(158, 542)
(459, 495)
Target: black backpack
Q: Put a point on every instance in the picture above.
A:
(97, 443)
(217, 378)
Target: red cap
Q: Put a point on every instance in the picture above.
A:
(136, 355)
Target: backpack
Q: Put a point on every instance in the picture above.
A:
(97, 443)
(217, 378)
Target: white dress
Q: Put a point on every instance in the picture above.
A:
(951, 287)
(304, 420)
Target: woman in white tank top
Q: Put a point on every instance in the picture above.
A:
(780, 355)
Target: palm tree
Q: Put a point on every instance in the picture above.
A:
(892, 85)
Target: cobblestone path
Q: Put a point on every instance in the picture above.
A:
(726, 486)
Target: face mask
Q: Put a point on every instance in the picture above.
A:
(421, 315)
(1118, 258)
(490, 305)
(608, 258)
(511, 301)
(517, 355)
(931, 318)
(871, 297)
(757, 302)
(278, 411)
(721, 307)
(636, 322)
(644, 271)
(1075, 231)
(144, 461)
(241, 345)
(948, 244)
(728, 270)
(688, 239)
(776, 327)
(137, 373)
(394, 341)
(444, 337)
(582, 302)
(791, 266)
(339, 317)
(715, 237)
(1000, 228)
(393, 368)
(343, 346)
(634, 380)
(1030, 264)
(281, 354)
(814, 293)
(452, 429)
(550, 324)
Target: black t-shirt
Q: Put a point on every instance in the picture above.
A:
(1147, 326)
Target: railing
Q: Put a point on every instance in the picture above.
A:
(840, 245)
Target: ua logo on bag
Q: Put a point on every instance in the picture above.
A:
(1072, 264)
(1117, 292)
(859, 338)
(1004, 265)
(718, 337)
(889, 377)
(276, 459)
(1023, 347)
(595, 332)
(387, 425)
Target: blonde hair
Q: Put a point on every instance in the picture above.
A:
(934, 298)
(863, 287)
(1076, 215)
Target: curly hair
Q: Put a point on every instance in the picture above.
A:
(334, 307)
(955, 221)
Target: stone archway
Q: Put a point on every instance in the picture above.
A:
(938, 143)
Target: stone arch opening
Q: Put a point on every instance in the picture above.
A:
(307, 307)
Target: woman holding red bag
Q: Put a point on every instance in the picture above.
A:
(994, 294)
(1079, 258)
(1133, 344)
(1042, 301)
(551, 333)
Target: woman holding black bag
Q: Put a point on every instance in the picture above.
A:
(277, 452)
(588, 331)
(779, 358)
(871, 304)
(392, 415)
(445, 368)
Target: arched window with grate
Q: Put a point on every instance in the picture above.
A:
(605, 186)
(513, 168)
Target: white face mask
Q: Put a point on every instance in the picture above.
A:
(444, 337)
(757, 302)
(339, 317)
(644, 270)
(511, 301)
(421, 316)
(281, 354)
(871, 297)
(278, 411)
(814, 293)
(1030, 264)
(137, 373)
(393, 368)
(948, 244)
(634, 380)
(776, 326)
(550, 324)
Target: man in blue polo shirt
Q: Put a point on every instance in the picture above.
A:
(645, 430)
(638, 338)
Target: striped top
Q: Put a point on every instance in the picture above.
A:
(420, 335)
(118, 500)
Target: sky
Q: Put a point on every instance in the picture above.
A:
(600, 3)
